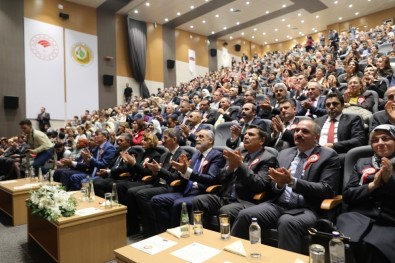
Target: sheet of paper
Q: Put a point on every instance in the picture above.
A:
(87, 211)
(26, 186)
(154, 245)
(196, 252)
(8, 182)
(176, 232)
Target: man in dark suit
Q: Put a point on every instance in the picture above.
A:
(387, 116)
(43, 120)
(194, 126)
(248, 114)
(201, 173)
(340, 131)
(205, 111)
(314, 105)
(223, 114)
(102, 160)
(139, 198)
(117, 166)
(269, 106)
(235, 99)
(243, 177)
(308, 175)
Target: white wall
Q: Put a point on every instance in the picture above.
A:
(184, 75)
(121, 84)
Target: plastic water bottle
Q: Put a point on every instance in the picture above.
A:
(114, 194)
(336, 249)
(255, 239)
(184, 222)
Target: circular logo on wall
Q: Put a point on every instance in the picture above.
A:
(44, 47)
(82, 53)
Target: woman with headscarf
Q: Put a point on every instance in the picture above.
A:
(370, 195)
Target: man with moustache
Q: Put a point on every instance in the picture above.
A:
(307, 175)
(314, 105)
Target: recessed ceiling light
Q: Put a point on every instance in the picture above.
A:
(313, 29)
(136, 11)
(216, 15)
(264, 33)
(299, 14)
(224, 27)
(340, 18)
(276, 39)
(204, 21)
(317, 16)
(212, 32)
(288, 25)
(335, 2)
(356, 13)
(166, 19)
(231, 37)
(284, 6)
(237, 23)
(242, 33)
(178, 13)
(231, 10)
(191, 26)
(254, 29)
(265, 43)
(275, 29)
(283, 19)
(192, 7)
(350, 6)
(302, 21)
(247, 3)
(253, 37)
(147, 4)
(267, 12)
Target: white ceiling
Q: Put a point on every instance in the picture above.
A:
(255, 20)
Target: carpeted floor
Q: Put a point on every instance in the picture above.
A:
(14, 247)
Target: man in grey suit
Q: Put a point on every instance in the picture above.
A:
(386, 116)
(307, 175)
(347, 129)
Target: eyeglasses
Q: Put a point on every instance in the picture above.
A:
(391, 97)
(335, 104)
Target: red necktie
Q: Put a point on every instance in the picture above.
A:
(331, 132)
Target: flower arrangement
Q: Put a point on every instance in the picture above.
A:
(51, 202)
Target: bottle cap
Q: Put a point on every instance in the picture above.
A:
(335, 234)
(254, 219)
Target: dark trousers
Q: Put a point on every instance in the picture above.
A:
(167, 208)
(213, 205)
(63, 175)
(41, 159)
(291, 224)
(139, 205)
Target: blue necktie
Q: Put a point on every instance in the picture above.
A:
(294, 198)
(196, 169)
(97, 158)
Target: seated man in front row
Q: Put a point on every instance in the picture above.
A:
(241, 179)
(309, 174)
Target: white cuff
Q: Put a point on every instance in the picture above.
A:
(187, 174)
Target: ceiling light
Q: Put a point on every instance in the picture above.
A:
(237, 23)
(224, 27)
(231, 37)
(253, 37)
(178, 13)
(247, 3)
(275, 29)
(204, 21)
(276, 39)
(302, 21)
(136, 11)
(350, 6)
(192, 7)
(340, 18)
(283, 19)
(288, 25)
(265, 43)
(242, 33)
(147, 4)
(299, 14)
(216, 15)
(231, 10)
(267, 11)
(191, 26)
(254, 29)
(284, 6)
(317, 16)
(335, 2)
(166, 19)
(356, 13)
(212, 32)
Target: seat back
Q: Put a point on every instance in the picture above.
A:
(385, 48)
(234, 109)
(189, 150)
(376, 100)
(208, 127)
(272, 151)
(161, 149)
(260, 97)
(268, 125)
(222, 133)
(351, 159)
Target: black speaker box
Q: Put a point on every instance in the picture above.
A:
(11, 102)
(108, 80)
(170, 63)
(213, 52)
(64, 15)
(237, 47)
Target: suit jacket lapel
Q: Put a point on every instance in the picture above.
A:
(307, 171)
(340, 127)
(288, 161)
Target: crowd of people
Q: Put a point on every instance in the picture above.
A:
(311, 104)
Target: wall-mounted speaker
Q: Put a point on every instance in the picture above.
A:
(170, 63)
(11, 102)
(213, 52)
(64, 16)
(108, 80)
(237, 47)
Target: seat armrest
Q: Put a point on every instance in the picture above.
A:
(212, 188)
(147, 178)
(175, 183)
(329, 204)
(260, 196)
(124, 174)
